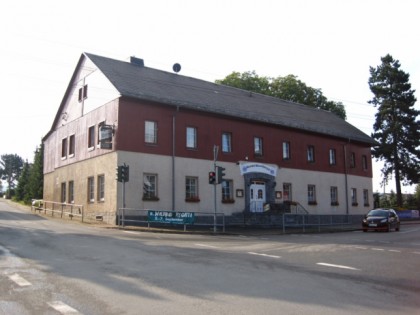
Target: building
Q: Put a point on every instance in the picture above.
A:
(166, 127)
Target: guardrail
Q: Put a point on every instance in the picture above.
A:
(141, 217)
(318, 222)
(58, 208)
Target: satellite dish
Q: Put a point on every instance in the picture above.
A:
(176, 67)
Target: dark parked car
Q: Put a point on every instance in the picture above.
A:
(381, 219)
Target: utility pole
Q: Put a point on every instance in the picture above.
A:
(215, 153)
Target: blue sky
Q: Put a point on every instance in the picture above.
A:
(327, 44)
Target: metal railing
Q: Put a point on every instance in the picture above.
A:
(139, 217)
(58, 209)
(314, 222)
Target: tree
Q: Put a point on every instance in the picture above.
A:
(288, 88)
(36, 176)
(396, 128)
(22, 186)
(10, 169)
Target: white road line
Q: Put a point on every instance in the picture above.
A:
(264, 255)
(131, 232)
(204, 245)
(378, 249)
(394, 250)
(360, 247)
(336, 266)
(19, 280)
(417, 253)
(63, 308)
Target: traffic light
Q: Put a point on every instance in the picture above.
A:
(220, 174)
(119, 173)
(212, 178)
(125, 172)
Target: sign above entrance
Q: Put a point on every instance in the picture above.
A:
(258, 168)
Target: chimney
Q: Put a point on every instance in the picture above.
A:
(137, 61)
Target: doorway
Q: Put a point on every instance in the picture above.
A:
(257, 196)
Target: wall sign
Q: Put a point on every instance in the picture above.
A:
(258, 168)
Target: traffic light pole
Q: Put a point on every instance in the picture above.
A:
(215, 153)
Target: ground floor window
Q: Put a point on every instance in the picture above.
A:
(91, 189)
(101, 187)
(63, 192)
(311, 195)
(150, 187)
(191, 189)
(334, 196)
(354, 197)
(287, 192)
(71, 191)
(227, 191)
(366, 197)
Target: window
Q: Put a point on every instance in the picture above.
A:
(227, 191)
(352, 160)
(334, 196)
(101, 187)
(91, 137)
(311, 195)
(150, 132)
(226, 142)
(364, 162)
(72, 145)
(311, 153)
(150, 187)
(91, 189)
(366, 197)
(287, 192)
(63, 192)
(191, 189)
(258, 146)
(64, 148)
(333, 159)
(71, 191)
(286, 150)
(83, 93)
(354, 197)
(191, 137)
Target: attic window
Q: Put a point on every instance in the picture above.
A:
(83, 93)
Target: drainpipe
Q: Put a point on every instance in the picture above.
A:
(173, 156)
(346, 178)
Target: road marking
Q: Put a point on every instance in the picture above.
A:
(394, 251)
(379, 249)
(336, 266)
(19, 280)
(204, 245)
(417, 253)
(131, 232)
(264, 255)
(63, 308)
(360, 247)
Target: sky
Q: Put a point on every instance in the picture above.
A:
(327, 44)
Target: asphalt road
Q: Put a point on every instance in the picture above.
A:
(49, 266)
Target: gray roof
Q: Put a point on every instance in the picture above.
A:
(146, 83)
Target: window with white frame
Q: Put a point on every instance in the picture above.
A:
(287, 192)
(71, 191)
(83, 93)
(286, 150)
(150, 131)
(352, 160)
(191, 137)
(366, 197)
(258, 146)
(311, 153)
(364, 162)
(91, 189)
(91, 137)
(334, 196)
(227, 191)
(354, 197)
(63, 192)
(333, 159)
(150, 187)
(72, 145)
(226, 142)
(311, 194)
(191, 188)
(101, 188)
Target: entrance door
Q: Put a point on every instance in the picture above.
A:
(257, 194)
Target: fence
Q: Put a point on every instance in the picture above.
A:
(140, 217)
(58, 208)
(315, 222)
